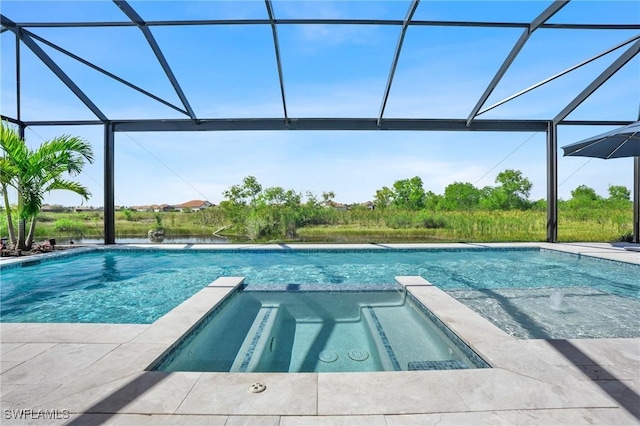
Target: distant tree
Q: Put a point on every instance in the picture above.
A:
(409, 193)
(515, 187)
(618, 193)
(540, 205)
(235, 195)
(269, 212)
(312, 200)
(251, 187)
(432, 201)
(279, 196)
(245, 193)
(583, 192)
(383, 198)
(327, 197)
(493, 198)
(461, 196)
(584, 196)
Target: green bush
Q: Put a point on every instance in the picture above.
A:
(213, 216)
(428, 221)
(627, 237)
(401, 219)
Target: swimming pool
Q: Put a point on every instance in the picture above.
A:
(140, 285)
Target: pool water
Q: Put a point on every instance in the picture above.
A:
(556, 313)
(513, 288)
(320, 330)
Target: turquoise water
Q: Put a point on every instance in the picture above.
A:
(139, 286)
(318, 331)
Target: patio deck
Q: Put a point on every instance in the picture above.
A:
(95, 374)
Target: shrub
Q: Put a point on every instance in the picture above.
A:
(431, 222)
(627, 237)
(399, 220)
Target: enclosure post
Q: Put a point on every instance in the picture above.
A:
(552, 182)
(109, 193)
(636, 200)
(18, 94)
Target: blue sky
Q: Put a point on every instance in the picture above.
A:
(329, 71)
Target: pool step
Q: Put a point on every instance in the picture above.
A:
(257, 340)
(403, 346)
(386, 354)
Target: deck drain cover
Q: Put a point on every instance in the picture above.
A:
(257, 387)
(358, 355)
(328, 356)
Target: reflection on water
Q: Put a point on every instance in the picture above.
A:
(110, 269)
(142, 240)
(333, 239)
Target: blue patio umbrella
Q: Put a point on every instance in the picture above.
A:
(618, 143)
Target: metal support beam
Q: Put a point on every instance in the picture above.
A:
(558, 75)
(396, 56)
(552, 182)
(298, 21)
(535, 24)
(142, 25)
(599, 81)
(105, 72)
(636, 200)
(50, 63)
(64, 123)
(276, 46)
(109, 188)
(18, 92)
(340, 124)
(12, 120)
(325, 123)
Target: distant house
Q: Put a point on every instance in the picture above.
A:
(337, 206)
(153, 208)
(163, 208)
(84, 209)
(52, 208)
(368, 205)
(193, 205)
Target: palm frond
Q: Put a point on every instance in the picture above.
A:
(68, 185)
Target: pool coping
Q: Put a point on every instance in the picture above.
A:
(99, 370)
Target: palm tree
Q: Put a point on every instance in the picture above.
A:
(35, 172)
(8, 171)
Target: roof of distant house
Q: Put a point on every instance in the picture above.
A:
(193, 203)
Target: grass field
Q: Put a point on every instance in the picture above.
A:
(604, 224)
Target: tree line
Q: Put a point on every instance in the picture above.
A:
(274, 212)
(511, 193)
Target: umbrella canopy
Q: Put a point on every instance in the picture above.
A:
(618, 143)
